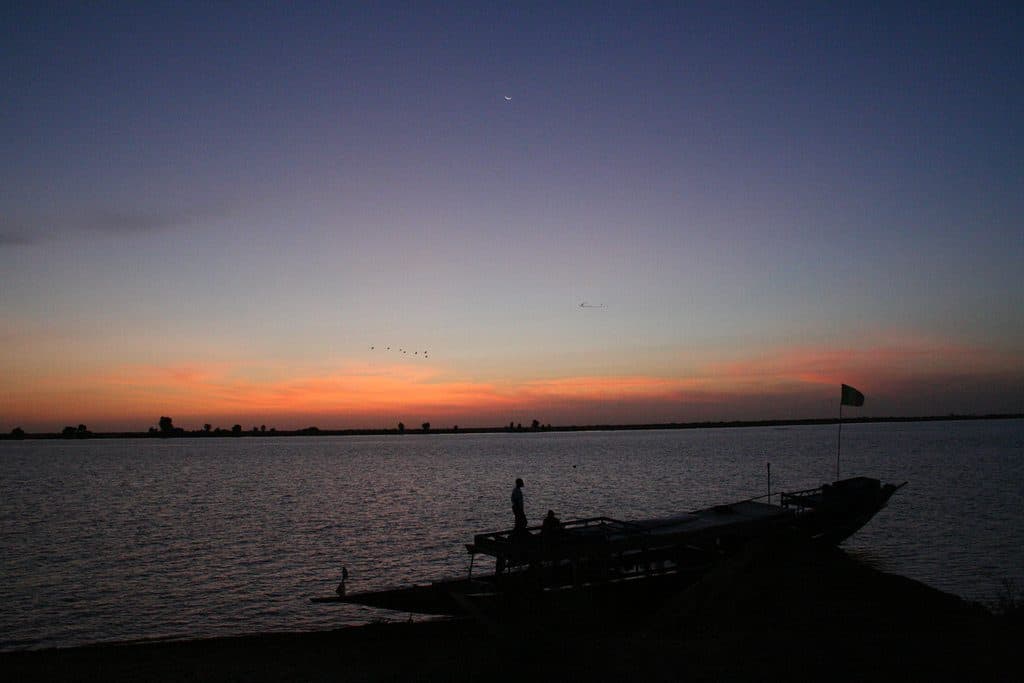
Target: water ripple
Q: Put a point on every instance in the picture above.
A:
(123, 540)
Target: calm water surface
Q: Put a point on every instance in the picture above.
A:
(117, 540)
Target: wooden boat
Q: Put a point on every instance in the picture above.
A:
(602, 563)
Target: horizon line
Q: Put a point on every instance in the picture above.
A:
(181, 432)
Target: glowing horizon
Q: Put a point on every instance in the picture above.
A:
(794, 383)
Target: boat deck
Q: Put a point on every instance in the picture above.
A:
(607, 535)
(745, 511)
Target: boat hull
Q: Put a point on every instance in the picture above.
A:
(607, 566)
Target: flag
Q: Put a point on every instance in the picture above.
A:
(851, 397)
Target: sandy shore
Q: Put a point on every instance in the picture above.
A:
(782, 610)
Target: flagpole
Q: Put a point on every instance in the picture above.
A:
(850, 397)
(839, 440)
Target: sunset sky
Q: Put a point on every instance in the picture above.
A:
(213, 211)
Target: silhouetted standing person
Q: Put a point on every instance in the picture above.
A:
(517, 506)
(340, 590)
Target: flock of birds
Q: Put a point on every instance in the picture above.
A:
(426, 354)
(402, 351)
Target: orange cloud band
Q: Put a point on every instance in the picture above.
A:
(798, 379)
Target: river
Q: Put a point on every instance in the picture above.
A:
(113, 540)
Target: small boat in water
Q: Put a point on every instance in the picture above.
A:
(604, 564)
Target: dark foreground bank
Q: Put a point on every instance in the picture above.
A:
(784, 609)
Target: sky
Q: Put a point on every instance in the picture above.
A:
(353, 214)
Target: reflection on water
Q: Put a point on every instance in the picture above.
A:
(116, 540)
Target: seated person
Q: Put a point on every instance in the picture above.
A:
(551, 524)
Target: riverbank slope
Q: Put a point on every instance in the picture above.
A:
(782, 609)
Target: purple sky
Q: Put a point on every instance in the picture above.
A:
(214, 210)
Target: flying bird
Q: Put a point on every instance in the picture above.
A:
(508, 98)
(404, 351)
(584, 304)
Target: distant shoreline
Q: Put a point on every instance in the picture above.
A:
(179, 433)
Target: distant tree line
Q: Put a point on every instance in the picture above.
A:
(79, 432)
(534, 426)
(166, 428)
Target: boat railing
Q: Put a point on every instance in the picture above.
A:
(580, 551)
(569, 539)
(590, 527)
(807, 498)
(764, 496)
